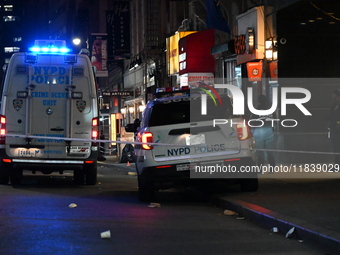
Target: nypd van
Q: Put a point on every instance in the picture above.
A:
(49, 114)
(176, 144)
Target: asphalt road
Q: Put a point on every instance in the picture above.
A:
(36, 218)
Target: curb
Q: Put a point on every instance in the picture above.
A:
(311, 234)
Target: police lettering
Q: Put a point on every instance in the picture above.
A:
(49, 75)
(197, 149)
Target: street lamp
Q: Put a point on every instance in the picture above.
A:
(76, 41)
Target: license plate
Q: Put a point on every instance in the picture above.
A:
(195, 139)
(79, 149)
(185, 167)
(26, 153)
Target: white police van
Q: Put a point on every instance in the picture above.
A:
(49, 114)
(179, 144)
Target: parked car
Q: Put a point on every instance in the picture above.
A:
(176, 140)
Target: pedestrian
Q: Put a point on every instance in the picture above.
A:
(264, 134)
(334, 125)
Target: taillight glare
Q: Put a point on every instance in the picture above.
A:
(2, 129)
(146, 138)
(243, 131)
(95, 130)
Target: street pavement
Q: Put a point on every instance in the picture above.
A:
(307, 204)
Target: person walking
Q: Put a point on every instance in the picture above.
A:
(264, 134)
(334, 125)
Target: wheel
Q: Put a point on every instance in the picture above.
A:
(91, 175)
(4, 176)
(16, 176)
(146, 191)
(78, 177)
(249, 185)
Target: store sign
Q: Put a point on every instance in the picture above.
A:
(118, 30)
(273, 71)
(173, 51)
(240, 44)
(254, 71)
(196, 79)
(118, 94)
(195, 53)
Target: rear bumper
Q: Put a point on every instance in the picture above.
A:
(53, 164)
(170, 173)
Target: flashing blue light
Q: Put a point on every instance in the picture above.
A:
(35, 49)
(62, 50)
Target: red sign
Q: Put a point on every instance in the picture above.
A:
(195, 53)
(273, 71)
(254, 71)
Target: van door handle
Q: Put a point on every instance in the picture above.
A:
(57, 129)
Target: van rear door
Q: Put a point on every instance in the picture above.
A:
(60, 103)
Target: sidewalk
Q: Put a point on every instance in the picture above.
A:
(310, 204)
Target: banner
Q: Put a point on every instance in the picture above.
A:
(98, 49)
(215, 19)
(254, 71)
(118, 30)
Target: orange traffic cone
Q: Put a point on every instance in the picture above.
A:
(128, 163)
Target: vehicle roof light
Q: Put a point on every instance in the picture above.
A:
(166, 91)
(158, 90)
(50, 46)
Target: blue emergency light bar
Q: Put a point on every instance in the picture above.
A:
(50, 46)
(49, 50)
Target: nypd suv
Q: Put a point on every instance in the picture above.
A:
(179, 140)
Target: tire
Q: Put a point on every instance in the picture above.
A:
(78, 177)
(91, 175)
(4, 176)
(16, 176)
(249, 185)
(146, 192)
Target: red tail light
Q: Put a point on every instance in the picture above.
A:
(2, 129)
(147, 137)
(95, 130)
(243, 131)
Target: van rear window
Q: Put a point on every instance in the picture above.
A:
(188, 111)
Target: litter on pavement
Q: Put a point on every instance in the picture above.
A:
(229, 212)
(106, 234)
(153, 205)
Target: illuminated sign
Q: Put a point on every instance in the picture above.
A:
(118, 94)
(173, 51)
(195, 53)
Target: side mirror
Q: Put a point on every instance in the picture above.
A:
(130, 128)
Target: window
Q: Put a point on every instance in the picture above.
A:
(189, 111)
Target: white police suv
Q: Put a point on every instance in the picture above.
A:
(192, 136)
